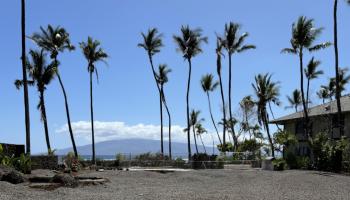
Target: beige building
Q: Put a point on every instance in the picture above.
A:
(323, 119)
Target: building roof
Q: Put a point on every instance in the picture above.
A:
(323, 109)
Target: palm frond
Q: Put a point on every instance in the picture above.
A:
(320, 46)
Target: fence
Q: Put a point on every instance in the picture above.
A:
(126, 160)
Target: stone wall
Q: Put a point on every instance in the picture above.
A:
(44, 162)
(12, 149)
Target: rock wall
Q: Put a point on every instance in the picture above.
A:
(44, 162)
(12, 149)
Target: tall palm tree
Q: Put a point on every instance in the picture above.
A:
(233, 43)
(208, 85)
(189, 44)
(200, 130)
(219, 53)
(93, 53)
(294, 100)
(265, 90)
(24, 74)
(162, 78)
(311, 73)
(56, 40)
(41, 74)
(152, 42)
(336, 57)
(247, 105)
(304, 35)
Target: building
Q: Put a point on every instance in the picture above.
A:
(323, 119)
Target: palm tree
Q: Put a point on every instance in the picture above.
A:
(194, 120)
(265, 90)
(233, 43)
(337, 70)
(311, 73)
(219, 47)
(42, 74)
(323, 94)
(200, 131)
(343, 80)
(329, 91)
(189, 44)
(56, 40)
(304, 35)
(93, 53)
(24, 74)
(294, 100)
(209, 86)
(247, 105)
(152, 42)
(162, 78)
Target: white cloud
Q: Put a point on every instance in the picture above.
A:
(105, 131)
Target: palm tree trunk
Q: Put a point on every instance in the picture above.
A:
(24, 73)
(337, 94)
(212, 138)
(195, 140)
(307, 93)
(306, 116)
(230, 103)
(44, 118)
(160, 94)
(92, 122)
(205, 150)
(161, 124)
(247, 122)
(222, 101)
(169, 122)
(188, 109)
(67, 113)
(212, 118)
(273, 116)
(266, 119)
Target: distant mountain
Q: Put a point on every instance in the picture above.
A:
(134, 147)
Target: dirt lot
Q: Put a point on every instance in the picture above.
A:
(201, 184)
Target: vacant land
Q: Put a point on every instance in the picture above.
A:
(201, 184)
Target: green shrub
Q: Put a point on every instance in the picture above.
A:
(23, 163)
(179, 162)
(346, 158)
(328, 153)
(303, 162)
(279, 164)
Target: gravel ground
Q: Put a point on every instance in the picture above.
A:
(201, 184)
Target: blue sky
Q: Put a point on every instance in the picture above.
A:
(126, 94)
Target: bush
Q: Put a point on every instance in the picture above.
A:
(279, 164)
(303, 162)
(205, 161)
(119, 158)
(346, 159)
(72, 162)
(23, 163)
(291, 160)
(328, 153)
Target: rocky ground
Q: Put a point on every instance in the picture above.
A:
(200, 184)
